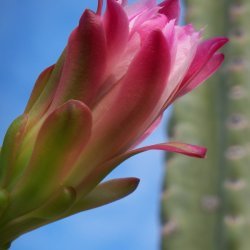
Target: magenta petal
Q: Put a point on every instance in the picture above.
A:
(149, 131)
(211, 66)
(99, 7)
(204, 52)
(132, 104)
(177, 147)
(123, 115)
(103, 170)
(203, 65)
(85, 62)
(116, 28)
(171, 8)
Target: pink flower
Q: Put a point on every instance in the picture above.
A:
(118, 73)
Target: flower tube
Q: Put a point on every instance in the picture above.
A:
(88, 112)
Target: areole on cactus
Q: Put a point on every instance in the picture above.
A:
(87, 113)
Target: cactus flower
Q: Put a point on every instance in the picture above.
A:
(88, 112)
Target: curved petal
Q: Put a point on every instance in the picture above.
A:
(123, 115)
(99, 7)
(183, 50)
(116, 28)
(176, 147)
(59, 143)
(149, 131)
(212, 65)
(131, 104)
(148, 22)
(171, 8)
(204, 53)
(85, 62)
(100, 172)
(140, 6)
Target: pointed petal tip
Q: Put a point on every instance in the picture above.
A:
(87, 16)
(223, 39)
(133, 182)
(171, 8)
(116, 27)
(106, 192)
(215, 43)
(39, 87)
(186, 149)
(178, 147)
(220, 41)
(76, 103)
(99, 7)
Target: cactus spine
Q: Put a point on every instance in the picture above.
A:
(206, 203)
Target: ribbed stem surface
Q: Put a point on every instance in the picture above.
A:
(206, 203)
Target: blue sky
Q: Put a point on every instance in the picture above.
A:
(32, 35)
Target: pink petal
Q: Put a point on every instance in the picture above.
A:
(132, 102)
(203, 65)
(116, 28)
(212, 65)
(171, 8)
(123, 115)
(85, 62)
(103, 170)
(137, 8)
(149, 131)
(118, 69)
(123, 2)
(99, 7)
(177, 147)
(204, 52)
(147, 22)
(183, 50)
(59, 143)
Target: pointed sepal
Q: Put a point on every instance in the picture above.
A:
(10, 167)
(105, 193)
(59, 143)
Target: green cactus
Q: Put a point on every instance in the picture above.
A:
(206, 203)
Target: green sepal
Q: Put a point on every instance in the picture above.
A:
(105, 193)
(4, 200)
(11, 149)
(59, 143)
(39, 87)
(62, 200)
(44, 90)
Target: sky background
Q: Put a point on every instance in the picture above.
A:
(32, 36)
